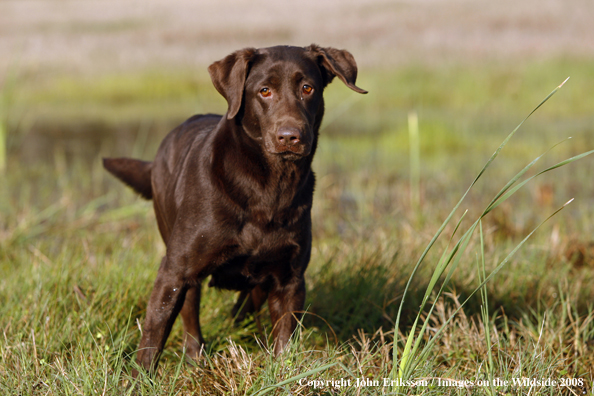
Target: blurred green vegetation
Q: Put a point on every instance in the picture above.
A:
(463, 109)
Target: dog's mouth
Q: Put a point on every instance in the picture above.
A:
(291, 153)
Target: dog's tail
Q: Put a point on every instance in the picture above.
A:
(133, 172)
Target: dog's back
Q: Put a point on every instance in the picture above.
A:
(138, 174)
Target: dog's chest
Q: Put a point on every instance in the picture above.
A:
(263, 243)
(267, 244)
(258, 257)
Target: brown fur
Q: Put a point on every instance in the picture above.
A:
(233, 194)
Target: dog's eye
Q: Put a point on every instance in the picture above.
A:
(307, 89)
(265, 92)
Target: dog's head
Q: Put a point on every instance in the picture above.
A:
(276, 93)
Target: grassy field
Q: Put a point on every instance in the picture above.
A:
(79, 251)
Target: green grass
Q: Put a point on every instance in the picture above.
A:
(79, 252)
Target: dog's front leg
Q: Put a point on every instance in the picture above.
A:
(167, 299)
(286, 305)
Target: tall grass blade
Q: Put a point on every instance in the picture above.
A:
(415, 159)
(427, 348)
(520, 185)
(405, 366)
(485, 311)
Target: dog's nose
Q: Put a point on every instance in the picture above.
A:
(288, 136)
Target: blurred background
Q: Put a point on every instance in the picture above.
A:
(89, 76)
(82, 80)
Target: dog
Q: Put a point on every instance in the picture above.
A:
(233, 194)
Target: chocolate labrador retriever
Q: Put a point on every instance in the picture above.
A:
(233, 194)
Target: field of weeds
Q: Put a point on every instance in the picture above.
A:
(79, 251)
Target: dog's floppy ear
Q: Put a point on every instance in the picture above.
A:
(335, 62)
(228, 76)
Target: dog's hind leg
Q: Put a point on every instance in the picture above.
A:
(190, 313)
(248, 302)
